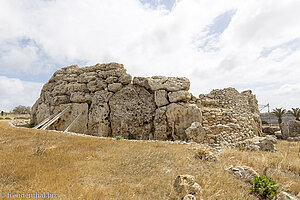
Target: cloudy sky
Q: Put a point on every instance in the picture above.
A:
(246, 44)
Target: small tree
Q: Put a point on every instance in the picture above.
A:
(279, 113)
(295, 112)
(21, 110)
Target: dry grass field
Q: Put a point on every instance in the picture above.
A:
(75, 167)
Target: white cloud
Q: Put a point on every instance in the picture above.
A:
(15, 92)
(157, 41)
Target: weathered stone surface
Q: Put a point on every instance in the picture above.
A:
(294, 128)
(180, 116)
(126, 79)
(259, 143)
(161, 131)
(70, 88)
(132, 112)
(96, 85)
(290, 129)
(155, 83)
(112, 79)
(286, 196)
(114, 87)
(99, 123)
(61, 100)
(238, 111)
(185, 185)
(195, 132)
(114, 72)
(65, 120)
(243, 172)
(80, 97)
(184, 96)
(40, 111)
(161, 98)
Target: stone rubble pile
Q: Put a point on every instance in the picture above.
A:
(111, 103)
(229, 116)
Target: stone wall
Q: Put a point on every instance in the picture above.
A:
(112, 104)
(155, 107)
(230, 116)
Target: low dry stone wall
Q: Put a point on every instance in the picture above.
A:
(111, 103)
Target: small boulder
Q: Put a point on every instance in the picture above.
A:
(195, 132)
(185, 185)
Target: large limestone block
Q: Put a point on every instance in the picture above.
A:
(155, 83)
(70, 88)
(39, 112)
(60, 89)
(81, 97)
(63, 99)
(177, 96)
(126, 79)
(132, 112)
(114, 87)
(195, 132)
(99, 123)
(65, 120)
(161, 131)
(284, 126)
(180, 116)
(161, 98)
(96, 85)
(294, 128)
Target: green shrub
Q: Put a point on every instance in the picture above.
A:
(264, 187)
(1, 118)
(119, 137)
(7, 118)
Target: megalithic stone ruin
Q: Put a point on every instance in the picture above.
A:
(110, 103)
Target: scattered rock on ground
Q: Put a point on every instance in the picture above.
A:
(185, 185)
(189, 197)
(195, 132)
(258, 143)
(243, 172)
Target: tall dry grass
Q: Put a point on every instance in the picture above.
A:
(76, 167)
